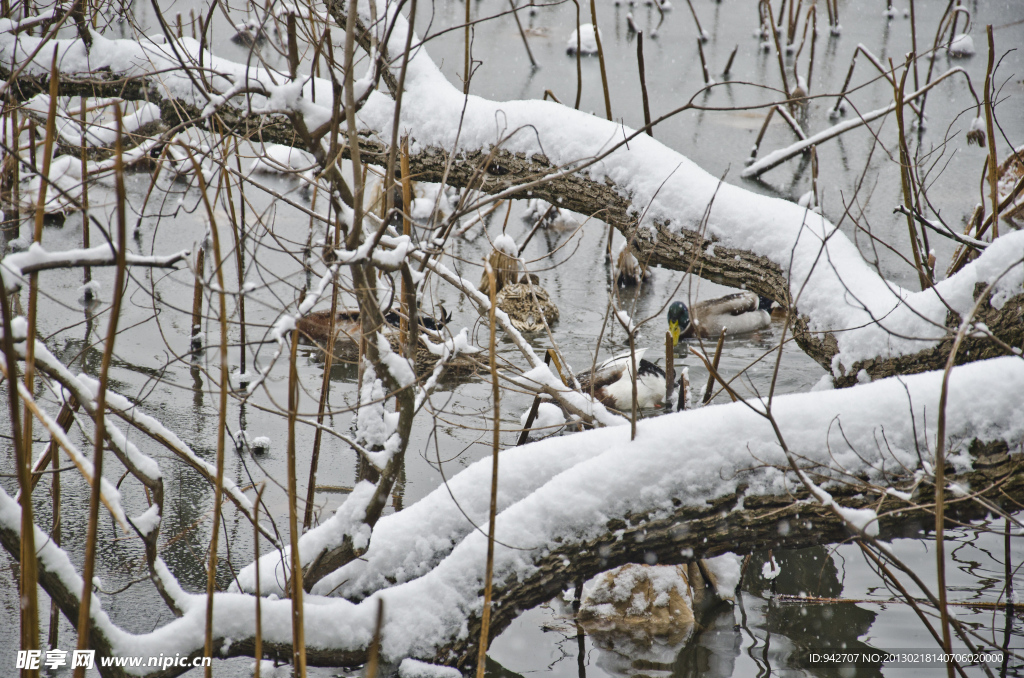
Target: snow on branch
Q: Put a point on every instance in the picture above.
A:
(14, 267)
(661, 483)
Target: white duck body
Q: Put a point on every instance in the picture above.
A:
(613, 383)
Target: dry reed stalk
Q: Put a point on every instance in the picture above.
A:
(670, 368)
(181, 33)
(485, 619)
(238, 233)
(258, 651)
(325, 390)
(939, 32)
(295, 580)
(218, 495)
(846, 85)
(633, 380)
(906, 179)
(778, 53)
(406, 228)
(197, 301)
(814, 41)
(374, 656)
(760, 135)
(88, 568)
(683, 400)
(1008, 569)
(506, 272)
(600, 58)
(55, 530)
(703, 62)
(29, 611)
(956, 16)
(714, 365)
(85, 200)
(579, 57)
(794, 21)
(643, 83)
(728, 63)
(465, 72)
(522, 33)
(993, 165)
(293, 47)
(37, 237)
(913, 44)
(814, 174)
(700, 31)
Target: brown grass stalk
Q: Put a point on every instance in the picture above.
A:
(85, 194)
(29, 575)
(643, 82)
(600, 58)
(218, 492)
(993, 165)
(906, 179)
(88, 568)
(258, 651)
(714, 364)
(485, 620)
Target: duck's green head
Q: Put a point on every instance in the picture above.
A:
(678, 319)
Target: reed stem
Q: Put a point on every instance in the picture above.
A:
(485, 618)
(728, 64)
(298, 623)
(88, 568)
(703, 62)
(714, 365)
(643, 83)
(600, 58)
(993, 164)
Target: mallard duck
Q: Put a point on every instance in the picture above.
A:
(613, 385)
(315, 328)
(527, 304)
(737, 313)
(627, 269)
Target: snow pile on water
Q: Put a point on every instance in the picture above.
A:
(961, 46)
(411, 668)
(278, 159)
(587, 40)
(548, 417)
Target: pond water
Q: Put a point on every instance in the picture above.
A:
(760, 634)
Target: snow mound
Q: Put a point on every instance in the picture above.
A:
(412, 668)
(549, 416)
(961, 46)
(587, 40)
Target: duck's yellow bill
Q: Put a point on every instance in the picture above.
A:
(673, 327)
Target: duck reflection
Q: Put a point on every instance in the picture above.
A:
(775, 636)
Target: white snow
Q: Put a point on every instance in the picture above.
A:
(505, 243)
(726, 568)
(90, 291)
(432, 562)
(147, 521)
(961, 46)
(548, 416)
(770, 570)
(411, 668)
(587, 40)
(278, 159)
